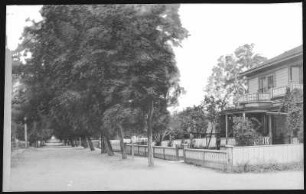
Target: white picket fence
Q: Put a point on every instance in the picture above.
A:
(18, 145)
(227, 158)
(231, 141)
(198, 143)
(207, 158)
(166, 153)
(283, 153)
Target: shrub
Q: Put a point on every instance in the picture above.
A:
(244, 132)
(158, 143)
(295, 120)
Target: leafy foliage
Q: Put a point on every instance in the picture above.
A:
(90, 60)
(295, 118)
(213, 107)
(193, 119)
(244, 131)
(225, 83)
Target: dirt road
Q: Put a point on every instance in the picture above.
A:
(67, 169)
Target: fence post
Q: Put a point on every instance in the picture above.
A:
(164, 153)
(132, 150)
(204, 153)
(145, 153)
(138, 151)
(229, 149)
(153, 151)
(177, 152)
(184, 151)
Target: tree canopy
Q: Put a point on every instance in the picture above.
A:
(86, 60)
(225, 83)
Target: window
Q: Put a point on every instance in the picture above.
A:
(270, 82)
(295, 74)
(262, 85)
(266, 83)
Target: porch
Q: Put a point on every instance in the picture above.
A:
(271, 126)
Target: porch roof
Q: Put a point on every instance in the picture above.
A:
(276, 113)
(240, 111)
(237, 111)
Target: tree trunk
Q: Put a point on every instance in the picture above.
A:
(108, 145)
(79, 141)
(83, 142)
(92, 148)
(291, 137)
(211, 131)
(121, 136)
(149, 134)
(103, 145)
(34, 127)
(72, 143)
(191, 138)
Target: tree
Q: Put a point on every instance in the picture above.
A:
(161, 127)
(122, 118)
(293, 105)
(107, 55)
(213, 108)
(29, 100)
(150, 76)
(68, 67)
(225, 83)
(192, 120)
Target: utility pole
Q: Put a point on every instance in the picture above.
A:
(25, 132)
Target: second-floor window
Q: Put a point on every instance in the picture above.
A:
(262, 85)
(270, 82)
(266, 83)
(296, 74)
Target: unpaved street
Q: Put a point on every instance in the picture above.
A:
(64, 169)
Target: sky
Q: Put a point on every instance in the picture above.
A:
(215, 30)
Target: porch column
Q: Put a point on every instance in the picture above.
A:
(226, 129)
(270, 128)
(264, 123)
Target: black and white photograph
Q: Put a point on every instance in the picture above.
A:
(153, 97)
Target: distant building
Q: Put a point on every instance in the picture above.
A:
(267, 85)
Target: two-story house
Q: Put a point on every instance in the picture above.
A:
(267, 85)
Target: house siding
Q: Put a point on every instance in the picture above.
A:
(253, 85)
(282, 77)
(285, 64)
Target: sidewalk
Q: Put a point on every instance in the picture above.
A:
(18, 151)
(78, 169)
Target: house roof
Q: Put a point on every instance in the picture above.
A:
(275, 60)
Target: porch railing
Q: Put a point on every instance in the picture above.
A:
(275, 92)
(263, 141)
(255, 97)
(295, 86)
(281, 91)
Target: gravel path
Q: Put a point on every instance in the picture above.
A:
(68, 169)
